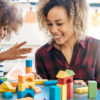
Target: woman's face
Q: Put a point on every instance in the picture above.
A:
(3, 32)
(59, 25)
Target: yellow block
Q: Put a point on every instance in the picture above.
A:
(23, 86)
(63, 91)
(81, 90)
(62, 74)
(26, 98)
(6, 85)
(7, 90)
(40, 82)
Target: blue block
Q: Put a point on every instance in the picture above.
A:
(22, 94)
(54, 93)
(50, 82)
(7, 95)
(28, 63)
(1, 81)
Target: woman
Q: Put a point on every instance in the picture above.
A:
(10, 20)
(70, 47)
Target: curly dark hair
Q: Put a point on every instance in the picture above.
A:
(10, 17)
(77, 10)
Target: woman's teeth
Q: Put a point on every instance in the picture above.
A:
(58, 36)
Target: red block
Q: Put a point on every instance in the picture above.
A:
(70, 90)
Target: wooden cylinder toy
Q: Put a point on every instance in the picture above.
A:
(28, 66)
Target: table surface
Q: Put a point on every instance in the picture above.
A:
(45, 94)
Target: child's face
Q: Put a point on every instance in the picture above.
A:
(3, 32)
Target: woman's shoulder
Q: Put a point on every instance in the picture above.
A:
(43, 49)
(92, 40)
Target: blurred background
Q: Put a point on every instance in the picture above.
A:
(35, 38)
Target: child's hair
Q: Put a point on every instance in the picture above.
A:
(10, 17)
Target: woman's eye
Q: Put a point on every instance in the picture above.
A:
(4, 28)
(49, 24)
(59, 24)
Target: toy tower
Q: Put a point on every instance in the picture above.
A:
(65, 79)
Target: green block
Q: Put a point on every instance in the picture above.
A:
(3, 78)
(70, 72)
(92, 89)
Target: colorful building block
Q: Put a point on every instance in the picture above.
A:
(14, 84)
(50, 82)
(23, 86)
(81, 90)
(7, 95)
(92, 89)
(40, 81)
(26, 77)
(22, 94)
(3, 78)
(78, 86)
(70, 90)
(26, 98)
(1, 81)
(7, 90)
(28, 66)
(63, 91)
(54, 93)
(6, 85)
(37, 90)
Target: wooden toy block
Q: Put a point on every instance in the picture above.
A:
(26, 98)
(14, 84)
(7, 95)
(78, 86)
(62, 74)
(50, 82)
(70, 72)
(65, 80)
(63, 91)
(3, 78)
(26, 77)
(54, 93)
(22, 94)
(23, 86)
(1, 81)
(28, 69)
(28, 63)
(6, 85)
(37, 90)
(7, 90)
(81, 90)
(92, 89)
(40, 82)
(70, 90)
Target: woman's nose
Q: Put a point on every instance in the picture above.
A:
(54, 29)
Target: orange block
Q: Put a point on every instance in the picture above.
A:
(26, 77)
(14, 84)
(37, 90)
(26, 98)
(28, 69)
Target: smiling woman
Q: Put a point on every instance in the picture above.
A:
(69, 47)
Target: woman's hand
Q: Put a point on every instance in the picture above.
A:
(15, 52)
(37, 76)
(81, 82)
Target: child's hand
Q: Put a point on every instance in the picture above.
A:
(37, 76)
(81, 82)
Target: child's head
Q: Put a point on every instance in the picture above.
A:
(10, 19)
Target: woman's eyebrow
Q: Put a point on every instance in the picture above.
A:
(55, 20)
